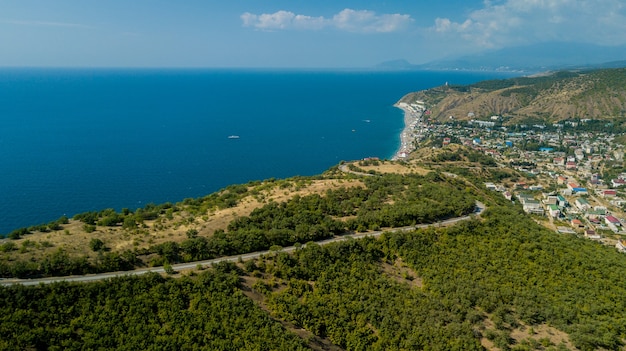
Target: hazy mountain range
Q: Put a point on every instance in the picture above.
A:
(531, 58)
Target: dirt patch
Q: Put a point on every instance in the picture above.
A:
(399, 272)
(543, 334)
(488, 344)
(537, 337)
(391, 167)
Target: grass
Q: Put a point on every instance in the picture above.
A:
(74, 239)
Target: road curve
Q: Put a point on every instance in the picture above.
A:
(480, 207)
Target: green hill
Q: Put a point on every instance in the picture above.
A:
(499, 283)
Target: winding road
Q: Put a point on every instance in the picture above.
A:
(480, 207)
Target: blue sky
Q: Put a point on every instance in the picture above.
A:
(294, 33)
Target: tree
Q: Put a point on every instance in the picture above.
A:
(168, 269)
(96, 244)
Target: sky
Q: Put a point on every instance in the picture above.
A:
(289, 33)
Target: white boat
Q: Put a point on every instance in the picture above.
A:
(233, 137)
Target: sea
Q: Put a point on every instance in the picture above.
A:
(77, 140)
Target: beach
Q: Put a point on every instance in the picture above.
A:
(412, 118)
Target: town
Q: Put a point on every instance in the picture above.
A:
(573, 171)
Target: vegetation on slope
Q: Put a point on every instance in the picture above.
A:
(598, 94)
(499, 283)
(477, 282)
(386, 200)
(207, 312)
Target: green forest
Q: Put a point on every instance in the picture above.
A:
(440, 288)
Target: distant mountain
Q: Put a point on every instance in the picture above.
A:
(546, 98)
(530, 58)
(396, 65)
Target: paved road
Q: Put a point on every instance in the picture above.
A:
(480, 207)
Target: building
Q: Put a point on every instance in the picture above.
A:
(612, 220)
(591, 234)
(561, 202)
(618, 182)
(609, 193)
(582, 204)
(577, 223)
(554, 211)
(551, 200)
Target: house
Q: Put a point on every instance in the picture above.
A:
(561, 180)
(570, 165)
(525, 197)
(621, 245)
(577, 223)
(551, 200)
(559, 161)
(572, 186)
(554, 210)
(582, 204)
(531, 205)
(619, 202)
(596, 214)
(618, 182)
(591, 234)
(561, 202)
(580, 191)
(609, 193)
(579, 154)
(612, 219)
(491, 186)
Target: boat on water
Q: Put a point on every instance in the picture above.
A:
(233, 137)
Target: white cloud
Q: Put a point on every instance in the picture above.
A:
(358, 21)
(529, 21)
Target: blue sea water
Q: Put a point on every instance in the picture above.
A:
(76, 140)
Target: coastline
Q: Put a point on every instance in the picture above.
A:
(412, 117)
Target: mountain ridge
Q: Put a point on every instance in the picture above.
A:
(529, 58)
(545, 98)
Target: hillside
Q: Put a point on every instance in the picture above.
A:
(598, 94)
(239, 219)
(497, 282)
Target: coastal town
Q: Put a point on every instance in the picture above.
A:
(572, 180)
